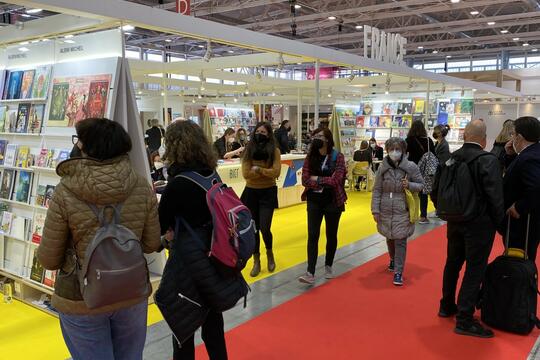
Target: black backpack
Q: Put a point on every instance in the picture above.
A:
(457, 196)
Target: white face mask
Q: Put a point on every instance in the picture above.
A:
(230, 140)
(373, 146)
(158, 165)
(395, 155)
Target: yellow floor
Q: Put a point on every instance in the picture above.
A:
(28, 333)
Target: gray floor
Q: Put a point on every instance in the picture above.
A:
(282, 287)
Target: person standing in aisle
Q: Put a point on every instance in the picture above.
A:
(282, 136)
(418, 144)
(155, 134)
(471, 241)
(521, 184)
(442, 149)
(323, 177)
(364, 154)
(187, 149)
(224, 146)
(99, 174)
(261, 166)
(389, 203)
(377, 153)
(499, 147)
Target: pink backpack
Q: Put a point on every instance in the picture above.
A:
(233, 236)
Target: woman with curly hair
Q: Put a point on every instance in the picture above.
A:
(188, 150)
(261, 166)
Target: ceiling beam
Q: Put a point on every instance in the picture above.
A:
(240, 5)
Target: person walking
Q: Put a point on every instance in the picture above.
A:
(418, 144)
(98, 174)
(282, 136)
(442, 149)
(389, 204)
(499, 147)
(188, 150)
(261, 166)
(470, 242)
(323, 176)
(521, 185)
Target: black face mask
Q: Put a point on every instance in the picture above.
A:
(317, 144)
(75, 152)
(261, 139)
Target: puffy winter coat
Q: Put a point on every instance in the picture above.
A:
(388, 199)
(70, 222)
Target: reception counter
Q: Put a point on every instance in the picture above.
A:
(289, 183)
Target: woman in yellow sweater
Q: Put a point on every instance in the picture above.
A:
(261, 166)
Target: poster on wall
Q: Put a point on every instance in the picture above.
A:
(76, 98)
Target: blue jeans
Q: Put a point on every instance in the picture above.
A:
(117, 335)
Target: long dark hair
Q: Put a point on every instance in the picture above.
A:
(270, 147)
(417, 129)
(228, 132)
(314, 156)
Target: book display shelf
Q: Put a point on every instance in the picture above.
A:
(228, 117)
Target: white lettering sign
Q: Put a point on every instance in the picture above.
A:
(381, 46)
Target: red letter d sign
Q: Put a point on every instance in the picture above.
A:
(183, 7)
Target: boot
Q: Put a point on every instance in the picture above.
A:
(256, 266)
(271, 261)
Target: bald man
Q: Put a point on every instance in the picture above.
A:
(470, 242)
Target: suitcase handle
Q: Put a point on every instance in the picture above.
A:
(507, 240)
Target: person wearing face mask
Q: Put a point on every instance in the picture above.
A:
(224, 146)
(471, 241)
(442, 149)
(157, 167)
(389, 204)
(261, 166)
(282, 137)
(323, 176)
(377, 152)
(240, 140)
(522, 186)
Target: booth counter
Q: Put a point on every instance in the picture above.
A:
(289, 183)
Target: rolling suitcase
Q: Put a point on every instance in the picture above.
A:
(509, 291)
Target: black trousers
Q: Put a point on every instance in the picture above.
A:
(468, 243)
(331, 214)
(261, 203)
(423, 204)
(213, 336)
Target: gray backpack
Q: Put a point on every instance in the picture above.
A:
(114, 268)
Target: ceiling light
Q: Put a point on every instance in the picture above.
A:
(24, 43)
(199, 96)
(330, 95)
(386, 92)
(448, 56)
(34, 41)
(534, 50)
(515, 39)
(45, 40)
(358, 27)
(526, 44)
(203, 88)
(193, 101)
(420, 47)
(25, 15)
(128, 33)
(491, 23)
(504, 31)
(162, 94)
(454, 1)
(474, 90)
(68, 36)
(246, 90)
(474, 12)
(435, 52)
(168, 40)
(128, 27)
(297, 6)
(69, 41)
(235, 99)
(331, 18)
(139, 92)
(34, 11)
(231, 51)
(24, 49)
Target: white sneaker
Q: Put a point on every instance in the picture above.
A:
(308, 278)
(424, 221)
(328, 273)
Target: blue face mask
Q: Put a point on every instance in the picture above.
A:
(395, 155)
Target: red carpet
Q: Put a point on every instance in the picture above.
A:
(361, 315)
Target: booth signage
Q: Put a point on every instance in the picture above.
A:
(183, 7)
(382, 46)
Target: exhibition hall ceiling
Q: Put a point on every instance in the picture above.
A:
(434, 29)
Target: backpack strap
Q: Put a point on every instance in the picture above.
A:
(205, 182)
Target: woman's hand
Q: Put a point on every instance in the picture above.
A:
(377, 217)
(256, 169)
(405, 183)
(509, 148)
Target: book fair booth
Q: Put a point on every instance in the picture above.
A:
(82, 61)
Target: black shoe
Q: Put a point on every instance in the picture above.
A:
(391, 266)
(447, 312)
(473, 328)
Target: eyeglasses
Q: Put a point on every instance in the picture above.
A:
(74, 139)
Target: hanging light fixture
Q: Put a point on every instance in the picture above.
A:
(208, 55)
(281, 63)
(352, 76)
(258, 74)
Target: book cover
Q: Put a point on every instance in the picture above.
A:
(42, 158)
(374, 121)
(40, 195)
(22, 190)
(404, 109)
(39, 223)
(37, 272)
(50, 278)
(419, 106)
(8, 179)
(3, 115)
(406, 121)
(26, 84)
(22, 118)
(36, 118)
(3, 145)
(23, 156)
(5, 225)
(97, 99)
(368, 109)
(58, 101)
(10, 122)
(14, 256)
(3, 79)
(63, 155)
(49, 192)
(14, 85)
(52, 157)
(11, 155)
(18, 227)
(360, 121)
(42, 80)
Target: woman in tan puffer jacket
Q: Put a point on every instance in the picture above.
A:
(389, 204)
(99, 174)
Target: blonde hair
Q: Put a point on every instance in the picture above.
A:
(506, 132)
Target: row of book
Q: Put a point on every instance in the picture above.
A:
(386, 121)
(22, 228)
(26, 119)
(39, 274)
(14, 155)
(25, 84)
(16, 186)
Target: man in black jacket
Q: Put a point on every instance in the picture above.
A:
(154, 135)
(471, 242)
(522, 184)
(282, 137)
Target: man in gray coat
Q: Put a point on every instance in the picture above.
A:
(471, 242)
